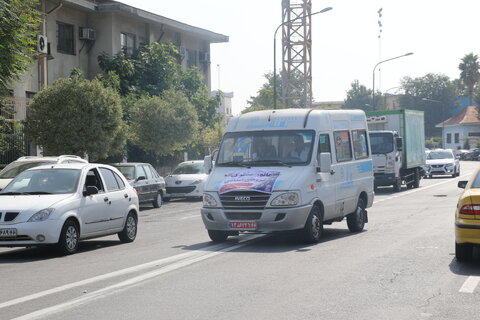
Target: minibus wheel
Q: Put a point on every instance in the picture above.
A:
(217, 235)
(356, 220)
(313, 230)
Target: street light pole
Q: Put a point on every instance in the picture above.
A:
(275, 51)
(373, 85)
(443, 116)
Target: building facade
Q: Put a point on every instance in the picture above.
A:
(225, 109)
(78, 31)
(462, 127)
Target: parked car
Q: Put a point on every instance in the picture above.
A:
(24, 163)
(461, 153)
(64, 203)
(472, 154)
(442, 162)
(467, 218)
(186, 181)
(144, 178)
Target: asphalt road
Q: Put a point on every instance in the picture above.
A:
(401, 267)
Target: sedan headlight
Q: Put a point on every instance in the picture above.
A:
(449, 165)
(41, 215)
(287, 199)
(209, 200)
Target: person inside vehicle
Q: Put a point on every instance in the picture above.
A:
(299, 151)
(263, 150)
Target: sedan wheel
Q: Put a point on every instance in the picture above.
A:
(157, 202)
(129, 232)
(69, 237)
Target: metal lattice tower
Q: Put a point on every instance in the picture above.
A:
(297, 53)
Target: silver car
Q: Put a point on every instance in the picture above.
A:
(442, 162)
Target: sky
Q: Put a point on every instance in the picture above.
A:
(345, 44)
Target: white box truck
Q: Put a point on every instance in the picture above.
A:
(291, 169)
(397, 140)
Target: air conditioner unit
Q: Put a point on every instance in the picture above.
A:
(87, 34)
(204, 56)
(42, 45)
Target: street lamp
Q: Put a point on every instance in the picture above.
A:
(443, 116)
(373, 85)
(275, 51)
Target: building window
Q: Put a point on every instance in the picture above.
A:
(127, 42)
(457, 137)
(474, 134)
(66, 38)
(191, 58)
(449, 138)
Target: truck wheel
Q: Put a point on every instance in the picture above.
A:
(397, 186)
(463, 251)
(218, 236)
(356, 220)
(416, 182)
(313, 230)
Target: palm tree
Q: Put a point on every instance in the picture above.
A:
(469, 73)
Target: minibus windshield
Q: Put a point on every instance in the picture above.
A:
(266, 148)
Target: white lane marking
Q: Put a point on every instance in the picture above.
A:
(419, 189)
(127, 283)
(117, 273)
(470, 284)
(190, 217)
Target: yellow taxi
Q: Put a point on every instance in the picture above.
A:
(467, 218)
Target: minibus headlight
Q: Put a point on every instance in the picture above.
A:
(285, 200)
(209, 200)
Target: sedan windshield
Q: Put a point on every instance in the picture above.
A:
(439, 155)
(48, 181)
(13, 169)
(189, 168)
(127, 171)
(266, 148)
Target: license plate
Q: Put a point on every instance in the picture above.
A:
(8, 233)
(242, 225)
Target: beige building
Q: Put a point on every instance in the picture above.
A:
(78, 31)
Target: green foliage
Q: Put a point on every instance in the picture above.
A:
(466, 145)
(264, 98)
(19, 21)
(77, 116)
(163, 125)
(433, 142)
(469, 73)
(441, 92)
(359, 97)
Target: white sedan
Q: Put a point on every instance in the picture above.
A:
(442, 162)
(186, 181)
(64, 203)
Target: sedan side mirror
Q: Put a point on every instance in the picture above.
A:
(462, 184)
(91, 190)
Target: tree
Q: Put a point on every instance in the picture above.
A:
(469, 73)
(18, 35)
(358, 97)
(77, 116)
(264, 98)
(441, 93)
(165, 124)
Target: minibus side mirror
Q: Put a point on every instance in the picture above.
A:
(462, 184)
(207, 164)
(324, 161)
(399, 143)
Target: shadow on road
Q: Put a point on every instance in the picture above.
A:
(273, 242)
(471, 268)
(23, 255)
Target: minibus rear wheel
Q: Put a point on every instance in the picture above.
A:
(356, 220)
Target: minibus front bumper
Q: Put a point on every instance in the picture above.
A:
(266, 220)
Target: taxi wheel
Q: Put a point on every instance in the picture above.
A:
(463, 251)
(356, 220)
(313, 230)
(218, 236)
(69, 238)
(129, 232)
(157, 202)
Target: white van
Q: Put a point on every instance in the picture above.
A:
(291, 169)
